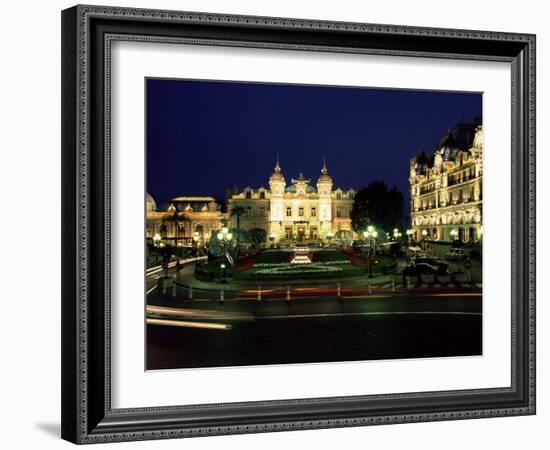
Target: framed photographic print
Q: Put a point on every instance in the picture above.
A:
(281, 224)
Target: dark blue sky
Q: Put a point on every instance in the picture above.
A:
(204, 137)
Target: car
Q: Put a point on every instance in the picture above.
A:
(426, 268)
(455, 254)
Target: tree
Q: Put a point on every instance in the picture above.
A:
(377, 205)
(257, 236)
(238, 211)
(176, 218)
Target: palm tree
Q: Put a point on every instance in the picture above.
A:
(176, 218)
(238, 211)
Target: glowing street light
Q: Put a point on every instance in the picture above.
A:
(370, 235)
(156, 239)
(453, 234)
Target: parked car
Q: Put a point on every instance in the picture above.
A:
(455, 254)
(426, 268)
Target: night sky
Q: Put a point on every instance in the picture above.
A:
(204, 137)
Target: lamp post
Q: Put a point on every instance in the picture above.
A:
(224, 238)
(156, 239)
(370, 235)
(396, 234)
(453, 234)
(409, 234)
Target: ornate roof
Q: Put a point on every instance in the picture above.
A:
(277, 174)
(150, 204)
(324, 177)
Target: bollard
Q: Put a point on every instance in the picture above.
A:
(393, 285)
(288, 293)
(370, 290)
(221, 296)
(173, 290)
(259, 297)
(338, 293)
(190, 292)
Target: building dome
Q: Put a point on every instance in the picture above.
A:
(422, 163)
(324, 177)
(150, 204)
(277, 174)
(450, 148)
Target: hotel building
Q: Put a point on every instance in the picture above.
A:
(446, 187)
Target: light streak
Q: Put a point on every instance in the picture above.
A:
(185, 324)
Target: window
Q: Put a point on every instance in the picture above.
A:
(248, 194)
(313, 212)
(338, 213)
(248, 211)
(300, 212)
(338, 196)
(262, 211)
(262, 194)
(289, 212)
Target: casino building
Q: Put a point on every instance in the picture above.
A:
(446, 187)
(187, 220)
(295, 212)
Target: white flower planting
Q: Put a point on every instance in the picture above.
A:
(315, 264)
(293, 268)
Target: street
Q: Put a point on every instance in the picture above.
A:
(313, 325)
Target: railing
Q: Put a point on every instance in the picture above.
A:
(153, 270)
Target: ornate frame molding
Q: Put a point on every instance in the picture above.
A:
(87, 422)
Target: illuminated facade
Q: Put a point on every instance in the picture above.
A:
(186, 220)
(298, 212)
(446, 187)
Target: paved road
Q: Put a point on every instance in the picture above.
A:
(313, 328)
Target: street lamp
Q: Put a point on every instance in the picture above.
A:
(424, 233)
(396, 233)
(370, 235)
(224, 238)
(409, 234)
(156, 239)
(224, 273)
(453, 234)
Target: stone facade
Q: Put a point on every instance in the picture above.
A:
(186, 220)
(298, 212)
(446, 187)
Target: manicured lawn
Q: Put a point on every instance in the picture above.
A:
(329, 255)
(275, 266)
(272, 257)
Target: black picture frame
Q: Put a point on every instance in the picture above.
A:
(87, 415)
